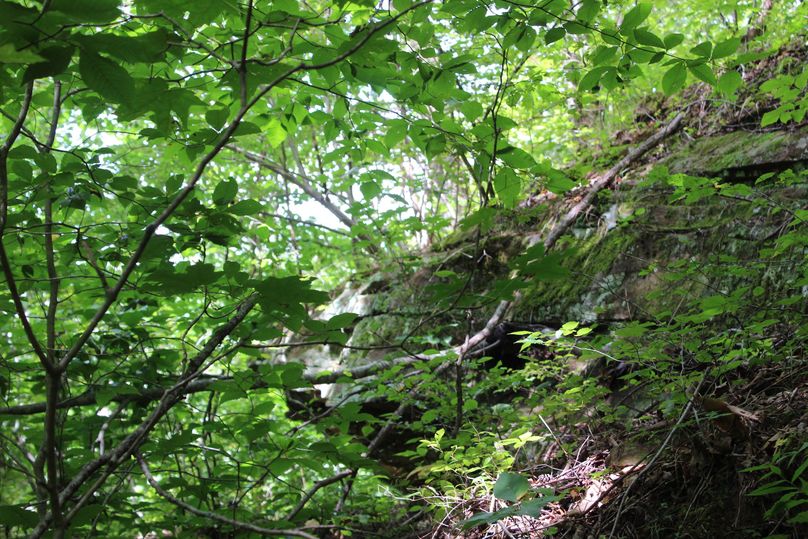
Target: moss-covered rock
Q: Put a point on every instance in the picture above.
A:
(723, 155)
(639, 251)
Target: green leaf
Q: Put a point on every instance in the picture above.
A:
(508, 187)
(558, 183)
(702, 71)
(87, 514)
(771, 117)
(56, 61)
(603, 54)
(88, 10)
(591, 79)
(672, 40)
(645, 37)
(575, 28)
(216, 118)
(588, 10)
(510, 487)
(288, 290)
(15, 516)
(106, 77)
(246, 128)
(726, 48)
(470, 109)
(340, 321)
(703, 49)
(10, 55)
(526, 40)
(245, 207)
(554, 34)
(635, 17)
(632, 330)
(516, 157)
(225, 192)
(674, 79)
(729, 82)
(274, 133)
(370, 190)
(149, 47)
(513, 36)
(548, 268)
(801, 518)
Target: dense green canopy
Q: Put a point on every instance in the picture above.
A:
(183, 184)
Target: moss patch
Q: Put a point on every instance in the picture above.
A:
(710, 156)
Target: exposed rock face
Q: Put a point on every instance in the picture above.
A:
(320, 358)
(741, 155)
(623, 255)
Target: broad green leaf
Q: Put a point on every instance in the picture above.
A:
(245, 207)
(703, 49)
(88, 10)
(575, 28)
(635, 17)
(729, 82)
(274, 133)
(216, 118)
(703, 72)
(370, 189)
(10, 55)
(646, 37)
(149, 47)
(554, 34)
(603, 54)
(769, 118)
(508, 187)
(591, 79)
(588, 10)
(547, 268)
(288, 290)
(801, 518)
(471, 110)
(672, 40)
(516, 157)
(57, 59)
(340, 321)
(674, 79)
(633, 330)
(726, 48)
(526, 40)
(106, 77)
(225, 192)
(246, 128)
(15, 516)
(513, 36)
(510, 487)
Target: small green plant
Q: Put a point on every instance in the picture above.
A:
(514, 488)
(790, 483)
(789, 90)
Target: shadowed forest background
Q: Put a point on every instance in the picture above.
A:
(432, 269)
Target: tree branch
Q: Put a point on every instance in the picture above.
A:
(214, 516)
(16, 129)
(170, 397)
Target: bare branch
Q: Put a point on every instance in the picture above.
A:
(317, 486)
